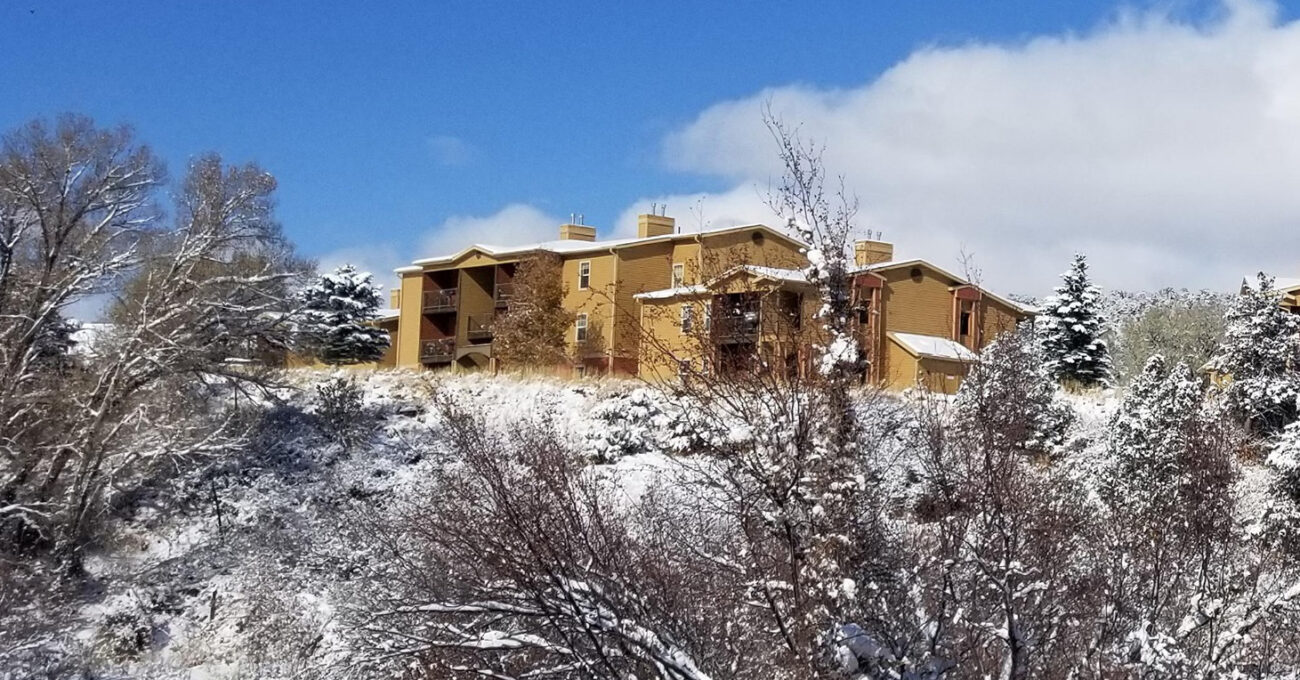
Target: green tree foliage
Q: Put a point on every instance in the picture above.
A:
(1072, 328)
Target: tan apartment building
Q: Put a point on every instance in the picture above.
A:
(916, 324)
(447, 304)
(665, 302)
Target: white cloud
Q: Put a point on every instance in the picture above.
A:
(514, 224)
(1168, 151)
(450, 151)
(742, 205)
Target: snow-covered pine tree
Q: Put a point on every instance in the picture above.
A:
(1071, 328)
(335, 311)
(1260, 351)
(1010, 395)
(1150, 434)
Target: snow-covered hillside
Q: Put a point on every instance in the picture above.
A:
(255, 566)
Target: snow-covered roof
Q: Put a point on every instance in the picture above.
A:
(898, 264)
(771, 273)
(775, 273)
(385, 314)
(574, 246)
(666, 293)
(933, 347)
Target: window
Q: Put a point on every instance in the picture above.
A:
(679, 275)
(965, 323)
(683, 369)
(584, 275)
(580, 326)
(708, 316)
(688, 318)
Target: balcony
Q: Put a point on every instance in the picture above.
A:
(504, 293)
(441, 300)
(478, 327)
(736, 328)
(437, 351)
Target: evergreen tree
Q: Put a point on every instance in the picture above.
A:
(1259, 355)
(53, 343)
(336, 310)
(1157, 422)
(1072, 327)
(1010, 393)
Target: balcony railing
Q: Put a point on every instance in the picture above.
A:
(735, 327)
(437, 351)
(504, 293)
(441, 300)
(479, 327)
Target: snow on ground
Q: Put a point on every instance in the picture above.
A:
(235, 563)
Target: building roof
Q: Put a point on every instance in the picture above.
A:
(932, 347)
(574, 246)
(668, 293)
(777, 274)
(899, 264)
(386, 314)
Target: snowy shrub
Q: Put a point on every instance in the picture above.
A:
(1285, 459)
(1168, 454)
(128, 626)
(340, 405)
(1010, 393)
(1071, 330)
(627, 425)
(1260, 358)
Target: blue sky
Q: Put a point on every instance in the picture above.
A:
(384, 121)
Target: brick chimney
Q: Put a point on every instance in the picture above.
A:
(577, 232)
(654, 225)
(872, 252)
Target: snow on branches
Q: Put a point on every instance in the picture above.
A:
(335, 312)
(1071, 326)
(1261, 356)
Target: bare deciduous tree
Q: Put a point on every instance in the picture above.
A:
(531, 331)
(78, 219)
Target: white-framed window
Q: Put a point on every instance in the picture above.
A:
(708, 315)
(683, 369)
(584, 275)
(580, 328)
(679, 275)
(688, 317)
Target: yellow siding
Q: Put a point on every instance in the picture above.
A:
(921, 306)
(475, 299)
(941, 376)
(998, 318)
(640, 270)
(410, 316)
(596, 301)
(666, 344)
(901, 369)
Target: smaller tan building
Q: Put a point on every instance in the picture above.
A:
(917, 325)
